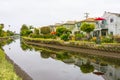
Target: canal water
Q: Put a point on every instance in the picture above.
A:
(51, 64)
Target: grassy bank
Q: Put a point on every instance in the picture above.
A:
(6, 69)
(109, 47)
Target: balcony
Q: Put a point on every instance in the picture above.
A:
(103, 26)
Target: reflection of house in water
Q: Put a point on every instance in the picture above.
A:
(68, 61)
(99, 67)
(110, 72)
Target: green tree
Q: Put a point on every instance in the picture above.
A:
(36, 31)
(87, 27)
(25, 31)
(9, 33)
(1, 30)
(45, 54)
(31, 27)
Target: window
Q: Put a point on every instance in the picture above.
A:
(110, 74)
(103, 33)
(103, 22)
(111, 20)
(111, 33)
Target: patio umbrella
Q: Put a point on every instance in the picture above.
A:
(98, 73)
(99, 18)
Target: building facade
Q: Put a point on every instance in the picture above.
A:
(112, 22)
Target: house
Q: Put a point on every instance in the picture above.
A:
(57, 25)
(77, 26)
(101, 29)
(112, 22)
(70, 25)
(52, 28)
(91, 21)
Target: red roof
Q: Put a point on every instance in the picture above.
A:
(99, 18)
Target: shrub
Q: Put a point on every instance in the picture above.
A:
(117, 38)
(107, 39)
(46, 36)
(35, 36)
(62, 30)
(79, 36)
(65, 37)
(94, 39)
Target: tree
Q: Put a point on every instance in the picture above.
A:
(36, 31)
(87, 27)
(31, 27)
(1, 30)
(10, 33)
(45, 54)
(25, 31)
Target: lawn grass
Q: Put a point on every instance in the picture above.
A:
(6, 69)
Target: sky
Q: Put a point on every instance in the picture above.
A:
(40, 13)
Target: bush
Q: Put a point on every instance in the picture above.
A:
(79, 36)
(46, 36)
(94, 39)
(35, 36)
(62, 30)
(65, 37)
(107, 39)
(117, 38)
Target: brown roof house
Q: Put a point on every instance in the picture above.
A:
(71, 25)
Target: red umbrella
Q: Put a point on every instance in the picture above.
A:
(98, 73)
(99, 18)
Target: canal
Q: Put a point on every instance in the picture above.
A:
(42, 63)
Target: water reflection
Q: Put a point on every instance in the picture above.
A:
(108, 68)
(5, 42)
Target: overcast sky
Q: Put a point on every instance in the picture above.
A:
(45, 12)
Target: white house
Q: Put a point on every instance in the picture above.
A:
(113, 22)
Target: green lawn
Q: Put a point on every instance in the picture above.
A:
(6, 69)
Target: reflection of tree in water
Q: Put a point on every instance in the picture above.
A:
(4, 42)
(25, 47)
(96, 64)
(45, 54)
(87, 68)
(62, 55)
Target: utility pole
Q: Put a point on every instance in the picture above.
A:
(86, 15)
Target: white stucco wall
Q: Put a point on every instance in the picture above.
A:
(112, 26)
